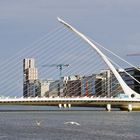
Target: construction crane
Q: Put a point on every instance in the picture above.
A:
(59, 66)
(133, 54)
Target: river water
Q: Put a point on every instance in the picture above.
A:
(52, 125)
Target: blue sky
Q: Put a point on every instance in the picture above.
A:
(114, 24)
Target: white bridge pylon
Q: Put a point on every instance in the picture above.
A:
(127, 90)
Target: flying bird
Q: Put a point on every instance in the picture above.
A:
(38, 123)
(73, 123)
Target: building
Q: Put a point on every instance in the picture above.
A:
(30, 78)
(31, 88)
(103, 84)
(106, 83)
(131, 82)
(66, 86)
(88, 85)
(98, 85)
(54, 89)
(30, 72)
(72, 86)
(45, 87)
(115, 86)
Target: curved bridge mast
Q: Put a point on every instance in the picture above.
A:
(127, 90)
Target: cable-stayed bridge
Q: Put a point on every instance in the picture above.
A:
(131, 100)
(65, 102)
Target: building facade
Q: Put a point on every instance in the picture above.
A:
(54, 89)
(72, 86)
(31, 86)
(103, 83)
(88, 85)
(67, 86)
(45, 87)
(131, 82)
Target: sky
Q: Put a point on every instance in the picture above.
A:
(113, 24)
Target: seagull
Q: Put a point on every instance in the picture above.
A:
(73, 123)
(38, 123)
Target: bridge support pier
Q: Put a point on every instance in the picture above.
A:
(108, 107)
(60, 105)
(69, 105)
(65, 105)
(130, 107)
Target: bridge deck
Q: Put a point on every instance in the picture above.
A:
(79, 101)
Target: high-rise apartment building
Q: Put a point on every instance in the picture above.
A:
(29, 70)
(30, 78)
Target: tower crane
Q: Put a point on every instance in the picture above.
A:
(133, 54)
(59, 66)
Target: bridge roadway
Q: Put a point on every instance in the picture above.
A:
(124, 104)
